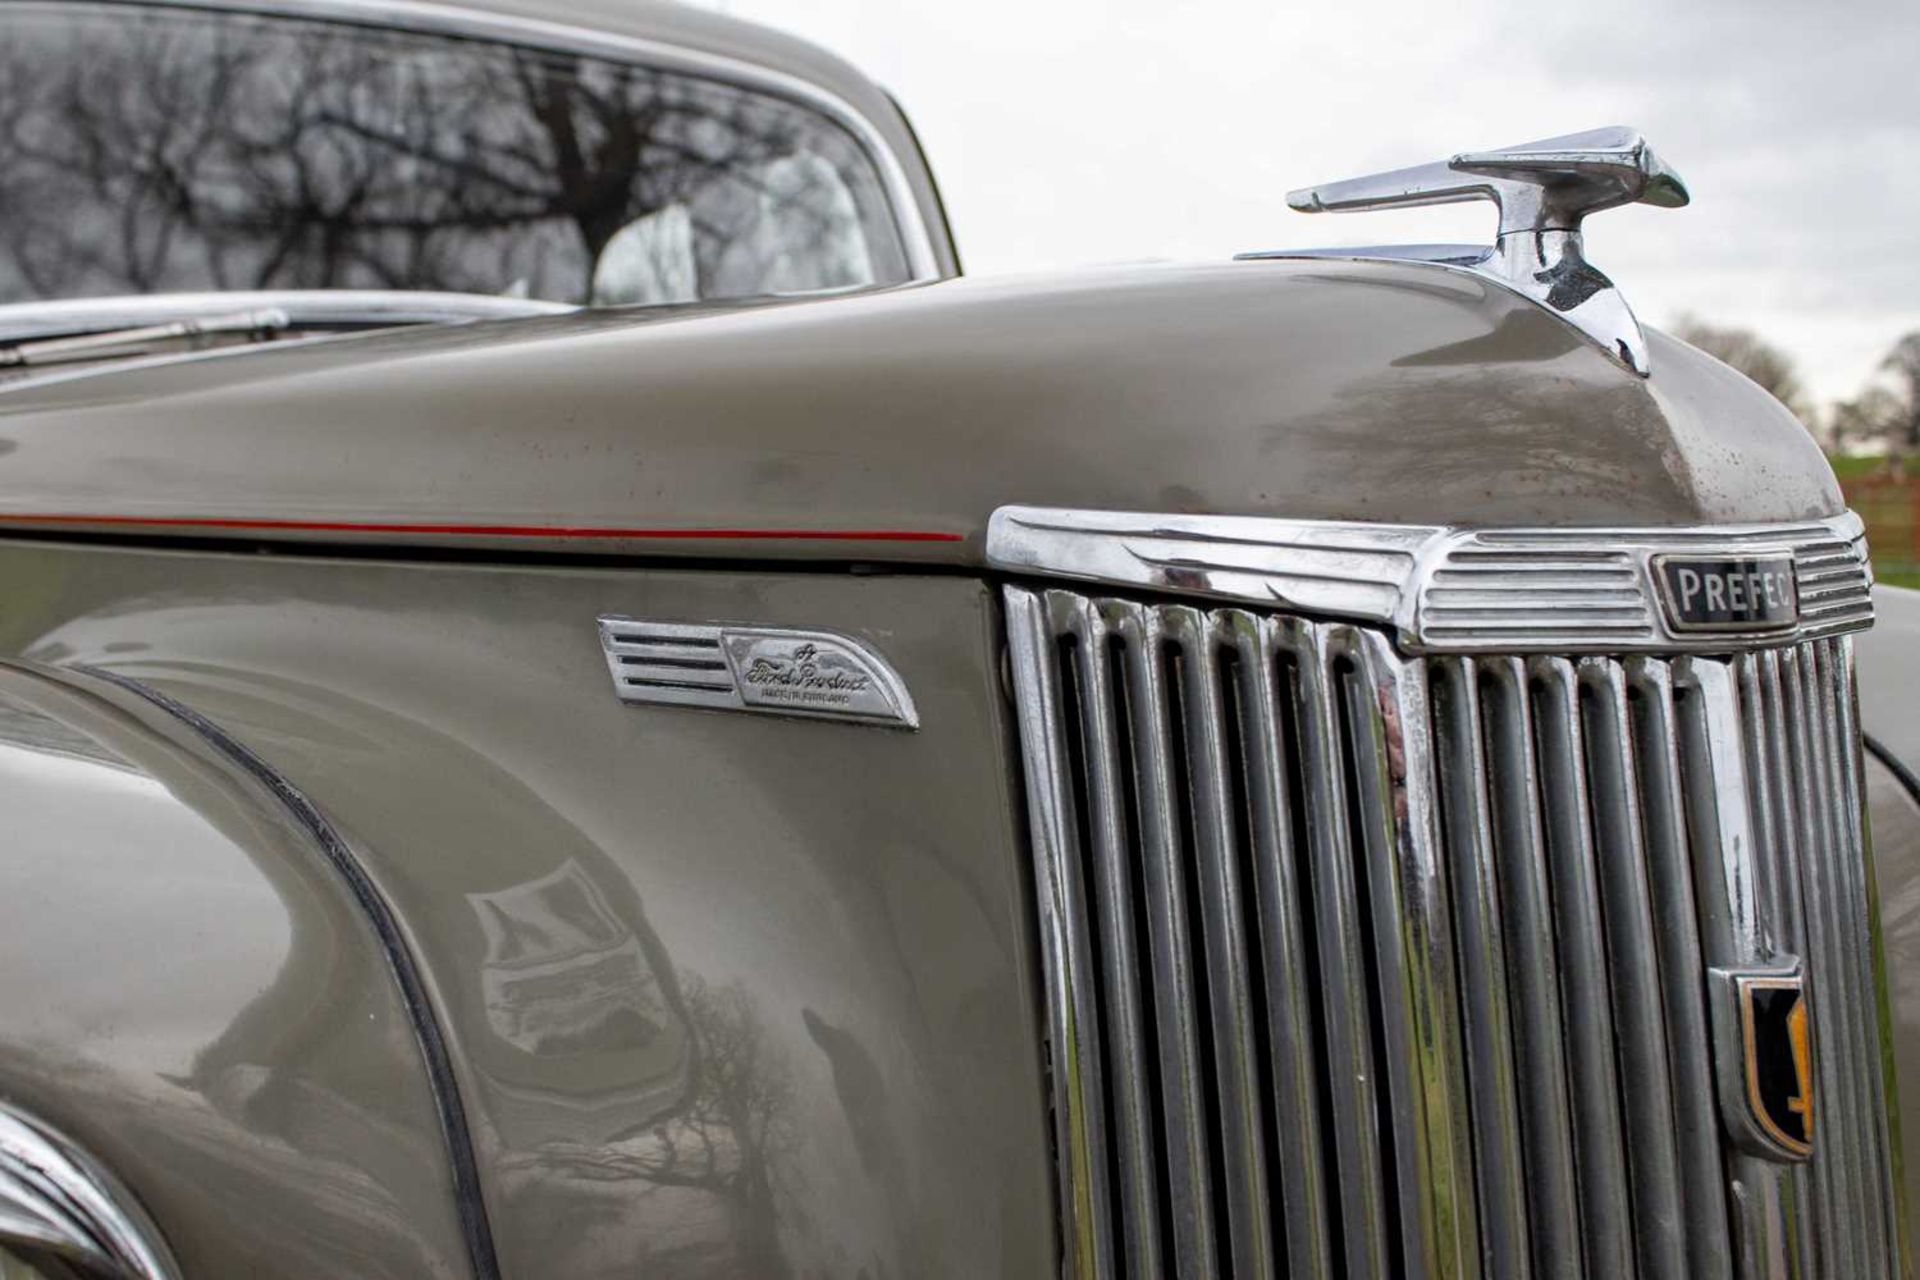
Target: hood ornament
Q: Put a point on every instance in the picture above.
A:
(1544, 190)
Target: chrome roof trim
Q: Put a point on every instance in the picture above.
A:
(56, 1200)
(1447, 589)
(537, 33)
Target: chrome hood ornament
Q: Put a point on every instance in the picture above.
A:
(1544, 190)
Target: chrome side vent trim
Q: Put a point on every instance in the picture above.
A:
(1368, 965)
(1489, 591)
(663, 662)
(1836, 583)
(774, 670)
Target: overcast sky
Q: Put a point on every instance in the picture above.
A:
(1075, 131)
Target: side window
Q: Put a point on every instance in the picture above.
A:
(152, 149)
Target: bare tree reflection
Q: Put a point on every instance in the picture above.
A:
(730, 1141)
(739, 1119)
(163, 151)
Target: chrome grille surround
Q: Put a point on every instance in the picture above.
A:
(1442, 590)
(1369, 961)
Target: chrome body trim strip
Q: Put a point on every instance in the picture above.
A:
(456, 21)
(1446, 590)
(57, 1200)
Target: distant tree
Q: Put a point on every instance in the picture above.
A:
(1902, 368)
(1886, 413)
(1754, 356)
(1866, 421)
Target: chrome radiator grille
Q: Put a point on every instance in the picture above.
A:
(1366, 965)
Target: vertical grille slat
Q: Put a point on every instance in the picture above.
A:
(1266, 682)
(1644, 1085)
(1480, 930)
(1136, 1193)
(1855, 938)
(1073, 1017)
(1361, 965)
(1352, 1080)
(1534, 965)
(1834, 667)
(1406, 887)
(1221, 911)
(1722, 823)
(1846, 879)
(1585, 987)
(1703, 1197)
(1840, 992)
(1778, 740)
(1164, 852)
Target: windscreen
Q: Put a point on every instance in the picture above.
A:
(145, 149)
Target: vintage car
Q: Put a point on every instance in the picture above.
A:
(575, 703)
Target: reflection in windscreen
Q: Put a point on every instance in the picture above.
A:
(148, 151)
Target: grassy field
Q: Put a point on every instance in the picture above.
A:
(1856, 466)
(1891, 507)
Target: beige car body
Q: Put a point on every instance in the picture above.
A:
(271, 613)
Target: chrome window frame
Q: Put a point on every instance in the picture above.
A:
(456, 22)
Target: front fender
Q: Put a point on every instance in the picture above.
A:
(726, 994)
(190, 992)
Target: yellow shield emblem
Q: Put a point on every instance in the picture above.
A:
(1777, 1053)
